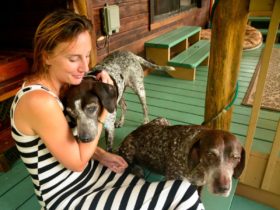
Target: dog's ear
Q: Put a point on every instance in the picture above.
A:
(194, 155)
(107, 95)
(239, 168)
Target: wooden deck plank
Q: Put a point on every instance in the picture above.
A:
(18, 195)
(30, 204)
(11, 178)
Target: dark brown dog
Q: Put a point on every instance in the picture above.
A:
(83, 104)
(201, 155)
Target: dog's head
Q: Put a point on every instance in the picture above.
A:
(221, 156)
(83, 104)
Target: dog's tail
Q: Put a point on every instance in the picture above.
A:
(150, 65)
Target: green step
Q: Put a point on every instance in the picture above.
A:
(193, 56)
(173, 37)
(259, 18)
(264, 31)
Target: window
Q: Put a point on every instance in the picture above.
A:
(161, 9)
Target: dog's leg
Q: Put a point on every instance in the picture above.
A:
(110, 130)
(109, 138)
(119, 123)
(139, 89)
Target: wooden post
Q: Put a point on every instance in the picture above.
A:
(228, 30)
(272, 30)
(84, 7)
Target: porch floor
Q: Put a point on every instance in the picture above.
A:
(180, 101)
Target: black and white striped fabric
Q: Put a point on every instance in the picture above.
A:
(96, 187)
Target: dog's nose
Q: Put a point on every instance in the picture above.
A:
(84, 138)
(222, 189)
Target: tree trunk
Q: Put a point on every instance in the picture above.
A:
(228, 30)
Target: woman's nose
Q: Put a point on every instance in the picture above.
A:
(84, 65)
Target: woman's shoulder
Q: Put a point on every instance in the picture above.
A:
(38, 97)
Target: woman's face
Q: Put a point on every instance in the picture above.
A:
(69, 61)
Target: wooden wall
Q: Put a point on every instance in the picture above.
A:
(135, 25)
(19, 20)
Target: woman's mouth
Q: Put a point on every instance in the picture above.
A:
(79, 76)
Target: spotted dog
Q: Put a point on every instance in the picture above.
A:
(203, 156)
(83, 104)
(125, 69)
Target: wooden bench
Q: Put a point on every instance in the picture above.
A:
(162, 48)
(186, 62)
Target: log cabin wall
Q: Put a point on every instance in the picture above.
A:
(135, 26)
(19, 20)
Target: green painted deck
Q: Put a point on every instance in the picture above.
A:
(182, 102)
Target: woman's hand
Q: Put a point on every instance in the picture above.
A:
(104, 77)
(114, 162)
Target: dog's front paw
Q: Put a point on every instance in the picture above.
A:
(119, 124)
(145, 121)
(138, 171)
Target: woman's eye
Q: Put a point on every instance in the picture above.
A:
(73, 59)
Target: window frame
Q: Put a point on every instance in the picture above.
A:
(170, 15)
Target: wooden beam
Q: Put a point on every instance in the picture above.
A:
(272, 160)
(228, 30)
(84, 7)
(273, 27)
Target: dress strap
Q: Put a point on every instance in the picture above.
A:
(29, 88)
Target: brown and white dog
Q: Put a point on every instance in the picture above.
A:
(125, 69)
(201, 155)
(83, 104)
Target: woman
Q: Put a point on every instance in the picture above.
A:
(68, 174)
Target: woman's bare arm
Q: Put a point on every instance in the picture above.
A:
(46, 119)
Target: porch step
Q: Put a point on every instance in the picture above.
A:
(259, 19)
(186, 62)
(264, 31)
(173, 37)
(162, 48)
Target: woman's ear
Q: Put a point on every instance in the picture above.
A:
(45, 58)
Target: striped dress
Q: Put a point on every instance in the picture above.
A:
(97, 187)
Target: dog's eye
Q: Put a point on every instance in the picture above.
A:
(235, 157)
(211, 154)
(91, 110)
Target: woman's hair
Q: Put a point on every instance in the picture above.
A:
(57, 27)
